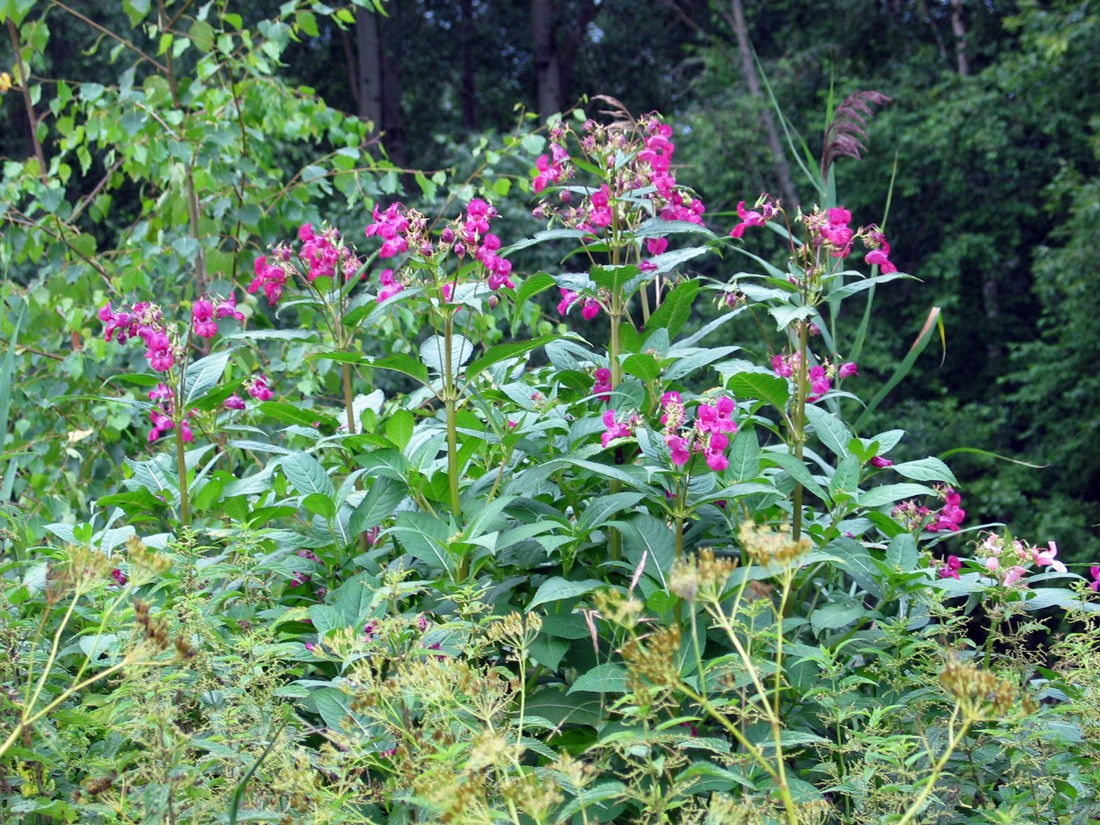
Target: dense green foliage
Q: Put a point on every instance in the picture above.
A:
(299, 528)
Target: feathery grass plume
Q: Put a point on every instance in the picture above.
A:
(844, 133)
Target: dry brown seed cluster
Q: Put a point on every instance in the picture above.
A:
(973, 686)
(653, 658)
(770, 547)
(142, 558)
(703, 574)
(617, 608)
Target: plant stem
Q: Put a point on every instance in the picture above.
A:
(798, 434)
(954, 737)
(181, 470)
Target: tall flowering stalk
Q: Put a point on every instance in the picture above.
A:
(460, 269)
(817, 254)
(168, 351)
(617, 196)
(328, 270)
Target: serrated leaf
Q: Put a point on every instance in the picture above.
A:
(203, 374)
(926, 469)
(889, 493)
(558, 589)
(307, 475)
(770, 388)
(606, 678)
(829, 429)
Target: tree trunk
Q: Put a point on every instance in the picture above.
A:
(368, 75)
(469, 67)
(958, 27)
(377, 76)
(771, 133)
(547, 62)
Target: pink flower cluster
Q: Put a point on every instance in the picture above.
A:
(642, 186)
(830, 231)
(768, 209)
(163, 414)
(950, 516)
(145, 321)
(1008, 560)
(403, 229)
(616, 428)
(205, 314)
(709, 435)
(590, 307)
(918, 517)
(1095, 583)
(321, 255)
(819, 376)
(394, 228)
(551, 168)
(601, 387)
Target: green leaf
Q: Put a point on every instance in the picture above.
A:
(203, 374)
(601, 508)
(424, 537)
(642, 366)
(675, 309)
(307, 475)
(836, 615)
(926, 469)
(606, 678)
(290, 414)
(202, 35)
(889, 493)
(406, 364)
(797, 470)
(770, 388)
(502, 352)
(744, 455)
(902, 552)
(380, 502)
(829, 429)
(558, 589)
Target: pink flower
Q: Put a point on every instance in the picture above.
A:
(1044, 558)
(881, 463)
(390, 285)
(951, 515)
(1095, 583)
(259, 389)
(656, 246)
(227, 308)
(602, 386)
(233, 402)
(119, 577)
(747, 219)
(819, 383)
(159, 353)
(782, 366)
(590, 309)
(270, 277)
(202, 319)
(950, 570)
(615, 429)
(678, 449)
(1013, 575)
(877, 257)
(847, 369)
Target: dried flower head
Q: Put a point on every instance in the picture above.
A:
(770, 547)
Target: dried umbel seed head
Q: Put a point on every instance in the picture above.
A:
(617, 608)
(142, 558)
(704, 575)
(770, 547)
(653, 658)
(973, 687)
